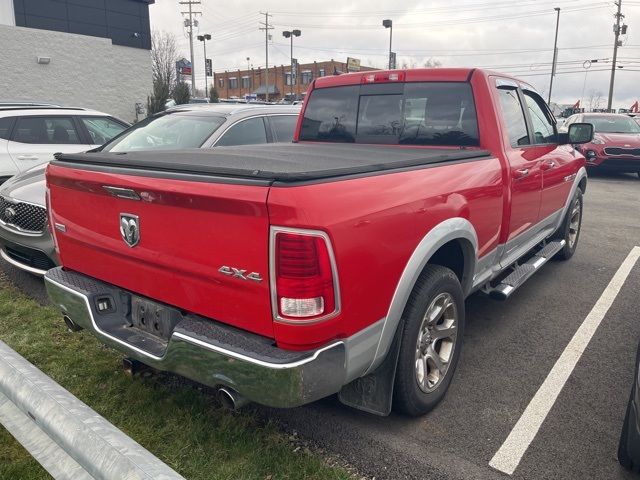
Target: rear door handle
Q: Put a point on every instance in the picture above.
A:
(521, 173)
(27, 157)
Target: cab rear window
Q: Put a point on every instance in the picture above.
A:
(424, 113)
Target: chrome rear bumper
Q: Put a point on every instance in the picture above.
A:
(204, 350)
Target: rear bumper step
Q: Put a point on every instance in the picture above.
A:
(522, 272)
(203, 350)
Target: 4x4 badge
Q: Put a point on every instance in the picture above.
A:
(130, 229)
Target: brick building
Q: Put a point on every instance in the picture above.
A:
(238, 83)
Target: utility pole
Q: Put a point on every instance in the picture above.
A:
(617, 43)
(555, 55)
(266, 29)
(190, 23)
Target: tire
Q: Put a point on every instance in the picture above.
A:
(623, 454)
(569, 231)
(422, 379)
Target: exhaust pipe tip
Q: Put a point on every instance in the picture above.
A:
(71, 325)
(230, 399)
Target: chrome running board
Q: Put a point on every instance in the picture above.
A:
(521, 273)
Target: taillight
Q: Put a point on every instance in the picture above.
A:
(304, 281)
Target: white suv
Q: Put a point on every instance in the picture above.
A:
(30, 135)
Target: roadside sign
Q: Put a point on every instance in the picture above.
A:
(392, 60)
(183, 67)
(353, 64)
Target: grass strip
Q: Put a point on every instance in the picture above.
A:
(177, 421)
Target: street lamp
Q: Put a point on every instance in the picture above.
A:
(203, 39)
(389, 24)
(290, 34)
(555, 54)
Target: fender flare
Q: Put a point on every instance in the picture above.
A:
(581, 174)
(452, 229)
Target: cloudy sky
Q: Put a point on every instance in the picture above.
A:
(508, 36)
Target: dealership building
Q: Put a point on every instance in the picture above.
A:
(82, 53)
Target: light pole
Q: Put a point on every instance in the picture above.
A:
(555, 54)
(389, 24)
(290, 34)
(203, 39)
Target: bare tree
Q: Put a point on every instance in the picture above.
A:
(595, 99)
(432, 63)
(164, 54)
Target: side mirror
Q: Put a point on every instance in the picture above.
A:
(577, 133)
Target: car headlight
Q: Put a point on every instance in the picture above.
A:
(597, 141)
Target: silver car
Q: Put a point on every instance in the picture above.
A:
(25, 239)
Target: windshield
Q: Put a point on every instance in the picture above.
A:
(421, 113)
(167, 132)
(611, 124)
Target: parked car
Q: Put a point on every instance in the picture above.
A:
(31, 135)
(616, 142)
(338, 263)
(209, 125)
(629, 446)
(28, 245)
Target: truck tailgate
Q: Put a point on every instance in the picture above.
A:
(188, 231)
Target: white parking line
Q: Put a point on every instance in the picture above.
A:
(514, 447)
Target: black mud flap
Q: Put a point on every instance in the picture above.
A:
(373, 393)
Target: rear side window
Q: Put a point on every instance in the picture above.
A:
(513, 116)
(421, 113)
(283, 127)
(245, 132)
(5, 127)
(102, 129)
(166, 132)
(46, 130)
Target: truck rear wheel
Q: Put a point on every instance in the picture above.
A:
(570, 228)
(430, 342)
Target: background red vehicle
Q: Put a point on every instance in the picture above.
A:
(616, 142)
(336, 264)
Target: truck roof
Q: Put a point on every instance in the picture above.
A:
(462, 74)
(274, 162)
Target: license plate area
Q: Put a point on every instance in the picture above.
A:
(154, 318)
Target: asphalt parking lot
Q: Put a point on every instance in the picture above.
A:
(509, 350)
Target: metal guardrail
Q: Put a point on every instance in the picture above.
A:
(68, 438)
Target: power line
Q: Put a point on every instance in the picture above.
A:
(431, 11)
(458, 21)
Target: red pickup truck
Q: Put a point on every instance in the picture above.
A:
(338, 263)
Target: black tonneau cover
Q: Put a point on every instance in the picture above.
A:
(292, 162)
